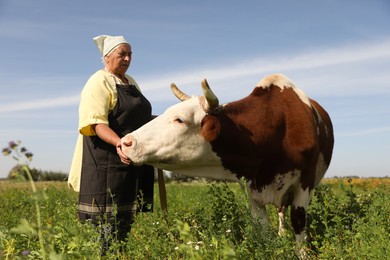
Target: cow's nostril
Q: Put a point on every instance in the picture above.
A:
(127, 143)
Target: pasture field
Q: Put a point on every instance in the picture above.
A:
(348, 219)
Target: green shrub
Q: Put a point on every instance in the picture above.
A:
(204, 221)
(355, 225)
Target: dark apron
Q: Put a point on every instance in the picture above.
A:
(111, 190)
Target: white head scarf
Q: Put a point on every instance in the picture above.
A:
(106, 43)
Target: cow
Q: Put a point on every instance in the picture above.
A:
(276, 139)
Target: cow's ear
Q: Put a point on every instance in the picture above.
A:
(210, 128)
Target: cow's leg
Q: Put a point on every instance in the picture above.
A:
(298, 213)
(298, 220)
(259, 211)
(282, 223)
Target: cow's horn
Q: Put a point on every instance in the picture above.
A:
(178, 93)
(211, 98)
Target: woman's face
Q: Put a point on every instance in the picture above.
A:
(118, 60)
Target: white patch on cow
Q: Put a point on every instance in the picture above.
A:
(173, 142)
(274, 192)
(173, 137)
(277, 80)
(283, 82)
(301, 197)
(302, 96)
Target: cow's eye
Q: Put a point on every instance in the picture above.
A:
(179, 120)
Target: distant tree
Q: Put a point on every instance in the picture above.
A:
(52, 176)
(18, 173)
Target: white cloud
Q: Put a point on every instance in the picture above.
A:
(345, 71)
(38, 104)
(339, 81)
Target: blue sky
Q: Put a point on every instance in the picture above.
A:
(338, 52)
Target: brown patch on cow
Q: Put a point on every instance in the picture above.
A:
(210, 128)
(267, 133)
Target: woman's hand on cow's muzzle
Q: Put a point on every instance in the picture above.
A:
(123, 157)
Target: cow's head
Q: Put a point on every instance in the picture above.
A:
(180, 137)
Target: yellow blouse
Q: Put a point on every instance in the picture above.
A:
(98, 99)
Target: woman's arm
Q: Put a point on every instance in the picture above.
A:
(109, 136)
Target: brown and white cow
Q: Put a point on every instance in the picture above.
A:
(277, 139)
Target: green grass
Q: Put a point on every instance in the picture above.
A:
(204, 221)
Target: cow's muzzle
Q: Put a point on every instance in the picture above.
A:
(128, 143)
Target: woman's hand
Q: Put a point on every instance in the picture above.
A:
(109, 136)
(123, 157)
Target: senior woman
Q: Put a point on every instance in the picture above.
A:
(111, 105)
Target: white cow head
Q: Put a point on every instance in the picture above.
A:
(176, 140)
